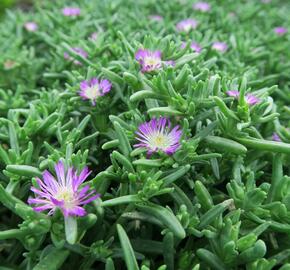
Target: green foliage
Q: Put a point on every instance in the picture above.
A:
(222, 201)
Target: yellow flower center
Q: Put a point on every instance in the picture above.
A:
(67, 197)
(159, 141)
(151, 61)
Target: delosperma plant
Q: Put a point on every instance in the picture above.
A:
(145, 135)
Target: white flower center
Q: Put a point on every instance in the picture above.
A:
(67, 196)
(187, 27)
(160, 141)
(93, 92)
(152, 61)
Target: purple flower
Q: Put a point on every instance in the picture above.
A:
(31, 26)
(202, 6)
(280, 31)
(250, 99)
(156, 18)
(71, 11)
(186, 25)
(275, 137)
(220, 46)
(63, 192)
(93, 89)
(169, 63)
(194, 46)
(149, 60)
(79, 51)
(157, 135)
(94, 36)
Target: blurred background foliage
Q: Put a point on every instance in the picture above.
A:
(23, 4)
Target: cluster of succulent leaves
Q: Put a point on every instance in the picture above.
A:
(222, 201)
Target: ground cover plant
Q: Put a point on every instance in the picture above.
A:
(145, 135)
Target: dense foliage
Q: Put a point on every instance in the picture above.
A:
(79, 79)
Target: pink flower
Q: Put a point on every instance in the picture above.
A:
(275, 137)
(156, 18)
(194, 46)
(186, 25)
(280, 30)
(202, 6)
(169, 63)
(150, 60)
(250, 98)
(79, 51)
(71, 11)
(63, 191)
(31, 26)
(94, 36)
(157, 134)
(220, 46)
(93, 89)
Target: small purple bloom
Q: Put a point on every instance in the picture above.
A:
(93, 89)
(280, 31)
(194, 46)
(202, 6)
(275, 137)
(149, 60)
(157, 135)
(220, 46)
(250, 99)
(71, 11)
(169, 63)
(31, 26)
(156, 18)
(63, 192)
(94, 36)
(79, 51)
(266, 1)
(233, 93)
(186, 25)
